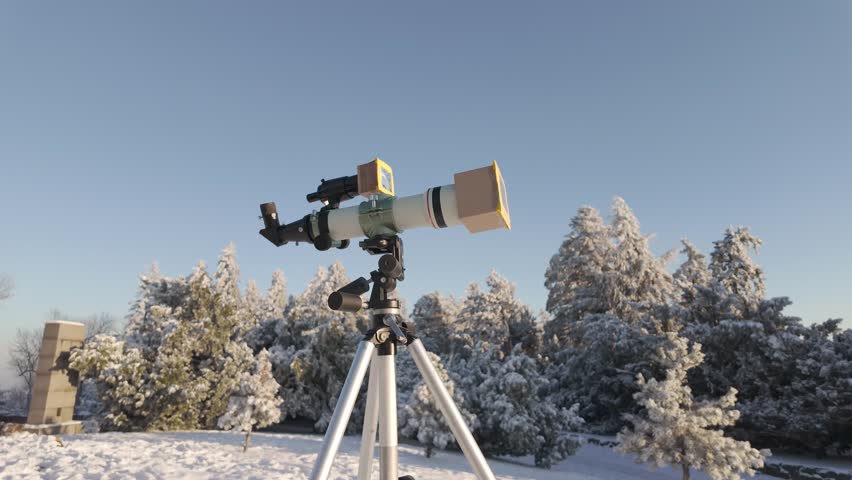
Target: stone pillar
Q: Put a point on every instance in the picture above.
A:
(55, 389)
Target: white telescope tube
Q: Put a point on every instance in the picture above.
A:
(436, 208)
(477, 199)
(420, 210)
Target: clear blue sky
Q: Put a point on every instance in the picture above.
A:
(151, 131)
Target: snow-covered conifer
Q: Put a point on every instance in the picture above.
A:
(639, 280)
(598, 370)
(792, 380)
(271, 316)
(217, 357)
(311, 377)
(675, 430)
(421, 418)
(434, 317)
(312, 349)
(193, 369)
(157, 298)
(734, 270)
(524, 328)
(252, 307)
(88, 403)
(505, 393)
(407, 378)
(692, 275)
(255, 403)
(497, 317)
(575, 276)
(227, 278)
(276, 297)
(309, 309)
(121, 376)
(181, 359)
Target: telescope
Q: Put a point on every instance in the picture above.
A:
(476, 199)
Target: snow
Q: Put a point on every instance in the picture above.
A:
(43, 425)
(218, 455)
(836, 463)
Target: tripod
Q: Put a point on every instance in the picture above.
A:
(377, 350)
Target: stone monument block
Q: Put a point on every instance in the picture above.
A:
(55, 388)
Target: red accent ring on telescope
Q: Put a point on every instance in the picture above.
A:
(428, 196)
(436, 207)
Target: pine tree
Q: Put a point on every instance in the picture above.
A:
(217, 355)
(792, 381)
(315, 374)
(255, 402)
(575, 276)
(675, 430)
(180, 363)
(88, 403)
(407, 378)
(505, 393)
(598, 370)
(227, 278)
(609, 299)
(524, 328)
(498, 318)
(421, 418)
(312, 348)
(434, 317)
(252, 308)
(639, 280)
(787, 375)
(199, 279)
(271, 316)
(692, 275)
(150, 317)
(734, 270)
(121, 376)
(309, 310)
(276, 297)
(178, 393)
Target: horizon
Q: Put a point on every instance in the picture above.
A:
(141, 133)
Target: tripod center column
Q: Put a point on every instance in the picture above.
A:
(388, 443)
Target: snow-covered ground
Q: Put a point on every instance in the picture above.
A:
(218, 455)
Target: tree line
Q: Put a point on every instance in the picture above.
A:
(618, 331)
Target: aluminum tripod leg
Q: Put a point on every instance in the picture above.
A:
(371, 422)
(342, 411)
(388, 442)
(451, 412)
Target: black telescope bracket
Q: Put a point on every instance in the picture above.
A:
(386, 329)
(330, 193)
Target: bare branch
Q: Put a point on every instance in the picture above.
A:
(56, 314)
(7, 286)
(99, 324)
(23, 354)
(96, 323)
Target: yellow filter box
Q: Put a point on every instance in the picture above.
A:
(375, 177)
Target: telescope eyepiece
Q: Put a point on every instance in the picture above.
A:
(271, 224)
(270, 215)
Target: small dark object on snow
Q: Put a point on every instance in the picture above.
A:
(10, 428)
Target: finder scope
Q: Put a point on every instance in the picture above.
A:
(476, 199)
